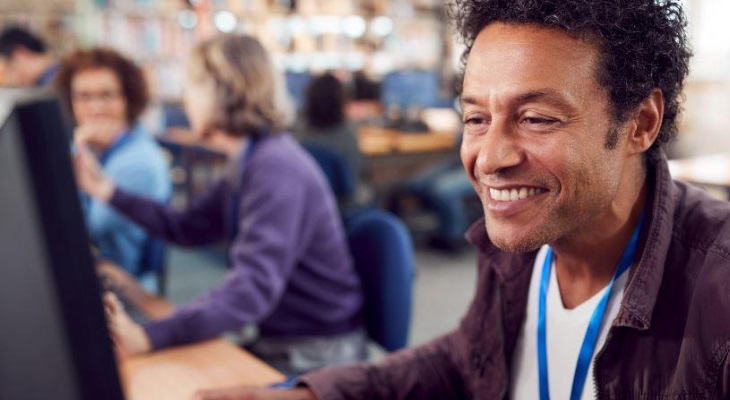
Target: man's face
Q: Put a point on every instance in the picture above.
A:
(536, 122)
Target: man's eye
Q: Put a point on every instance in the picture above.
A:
(475, 121)
(539, 121)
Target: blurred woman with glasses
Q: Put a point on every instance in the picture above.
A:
(106, 94)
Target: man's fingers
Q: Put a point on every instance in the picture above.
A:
(254, 393)
(236, 393)
(208, 395)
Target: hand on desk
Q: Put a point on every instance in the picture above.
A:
(255, 393)
(129, 336)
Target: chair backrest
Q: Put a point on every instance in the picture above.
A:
(153, 255)
(382, 250)
(336, 168)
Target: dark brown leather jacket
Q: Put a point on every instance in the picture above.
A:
(670, 340)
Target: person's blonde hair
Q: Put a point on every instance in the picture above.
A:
(247, 91)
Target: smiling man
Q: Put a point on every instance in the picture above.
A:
(599, 276)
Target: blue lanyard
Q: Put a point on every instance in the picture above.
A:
(238, 191)
(594, 327)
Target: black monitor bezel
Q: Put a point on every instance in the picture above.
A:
(49, 168)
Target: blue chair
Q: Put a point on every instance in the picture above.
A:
(174, 115)
(336, 168)
(153, 261)
(382, 250)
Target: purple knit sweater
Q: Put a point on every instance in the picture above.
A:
(291, 271)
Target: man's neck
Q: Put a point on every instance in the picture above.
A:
(587, 260)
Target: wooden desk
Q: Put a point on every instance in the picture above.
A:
(390, 156)
(372, 140)
(393, 157)
(375, 141)
(711, 170)
(177, 373)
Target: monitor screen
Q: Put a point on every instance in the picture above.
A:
(53, 338)
(411, 88)
(297, 84)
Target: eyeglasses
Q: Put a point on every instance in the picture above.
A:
(104, 96)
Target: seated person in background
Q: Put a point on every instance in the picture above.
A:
(26, 57)
(107, 93)
(325, 124)
(291, 269)
(445, 188)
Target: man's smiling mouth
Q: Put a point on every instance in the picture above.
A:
(515, 193)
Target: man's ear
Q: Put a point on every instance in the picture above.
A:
(647, 121)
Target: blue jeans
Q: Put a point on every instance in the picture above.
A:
(444, 188)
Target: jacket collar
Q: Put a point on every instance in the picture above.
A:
(643, 287)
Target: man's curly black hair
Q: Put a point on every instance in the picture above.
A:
(643, 46)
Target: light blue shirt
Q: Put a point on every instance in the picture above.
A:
(136, 164)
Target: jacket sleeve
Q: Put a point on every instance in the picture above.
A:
(201, 223)
(426, 372)
(723, 386)
(263, 254)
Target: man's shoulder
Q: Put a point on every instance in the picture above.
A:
(700, 247)
(702, 222)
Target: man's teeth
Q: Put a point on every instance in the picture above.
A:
(514, 194)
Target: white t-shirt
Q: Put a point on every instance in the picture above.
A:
(565, 332)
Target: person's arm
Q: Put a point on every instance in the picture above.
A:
(263, 255)
(424, 373)
(201, 223)
(135, 178)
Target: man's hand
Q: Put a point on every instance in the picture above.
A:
(89, 176)
(255, 393)
(129, 336)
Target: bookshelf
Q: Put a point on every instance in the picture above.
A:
(53, 19)
(377, 36)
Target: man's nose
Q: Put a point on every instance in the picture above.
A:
(499, 149)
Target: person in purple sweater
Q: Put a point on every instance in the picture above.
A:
(291, 274)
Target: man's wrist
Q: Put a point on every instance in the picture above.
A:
(303, 393)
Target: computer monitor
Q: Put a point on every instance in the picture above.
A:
(297, 84)
(408, 88)
(54, 343)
